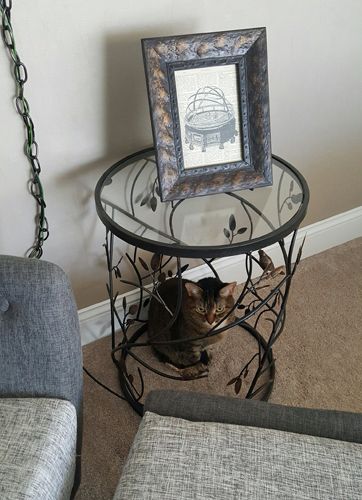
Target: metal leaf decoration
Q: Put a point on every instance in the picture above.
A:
(153, 203)
(232, 381)
(299, 255)
(183, 268)
(231, 232)
(133, 309)
(143, 263)
(232, 223)
(155, 261)
(237, 382)
(238, 385)
(297, 198)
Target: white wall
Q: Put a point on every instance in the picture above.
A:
(87, 96)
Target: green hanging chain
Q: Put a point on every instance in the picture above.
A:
(31, 146)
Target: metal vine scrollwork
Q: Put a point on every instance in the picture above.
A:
(271, 308)
(260, 304)
(260, 299)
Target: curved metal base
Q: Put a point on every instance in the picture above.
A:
(139, 407)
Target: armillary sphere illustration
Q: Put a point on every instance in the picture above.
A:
(209, 119)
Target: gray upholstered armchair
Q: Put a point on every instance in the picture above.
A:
(40, 382)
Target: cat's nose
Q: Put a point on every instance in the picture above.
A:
(210, 318)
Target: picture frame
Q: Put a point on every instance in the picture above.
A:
(209, 105)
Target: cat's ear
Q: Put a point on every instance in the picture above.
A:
(228, 290)
(193, 290)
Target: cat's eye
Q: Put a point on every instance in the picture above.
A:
(200, 309)
(220, 308)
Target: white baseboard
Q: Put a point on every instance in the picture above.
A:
(95, 320)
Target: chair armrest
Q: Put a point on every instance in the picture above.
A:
(40, 349)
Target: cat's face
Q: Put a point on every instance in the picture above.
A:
(210, 301)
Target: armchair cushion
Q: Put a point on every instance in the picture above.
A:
(37, 448)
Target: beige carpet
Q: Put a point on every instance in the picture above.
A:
(318, 364)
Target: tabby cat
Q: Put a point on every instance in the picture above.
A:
(204, 304)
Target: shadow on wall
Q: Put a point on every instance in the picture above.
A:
(126, 118)
(127, 124)
(126, 127)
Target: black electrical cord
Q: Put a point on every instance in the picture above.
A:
(103, 385)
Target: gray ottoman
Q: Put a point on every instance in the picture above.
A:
(177, 458)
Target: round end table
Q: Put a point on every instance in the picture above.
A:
(260, 226)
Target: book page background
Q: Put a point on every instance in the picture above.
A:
(188, 81)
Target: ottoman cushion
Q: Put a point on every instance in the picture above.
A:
(172, 458)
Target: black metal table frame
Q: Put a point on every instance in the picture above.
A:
(274, 304)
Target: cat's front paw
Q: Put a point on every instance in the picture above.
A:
(195, 371)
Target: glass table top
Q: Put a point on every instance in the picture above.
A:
(128, 203)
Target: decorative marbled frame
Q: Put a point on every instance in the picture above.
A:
(248, 51)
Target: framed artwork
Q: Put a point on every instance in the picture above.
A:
(209, 104)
